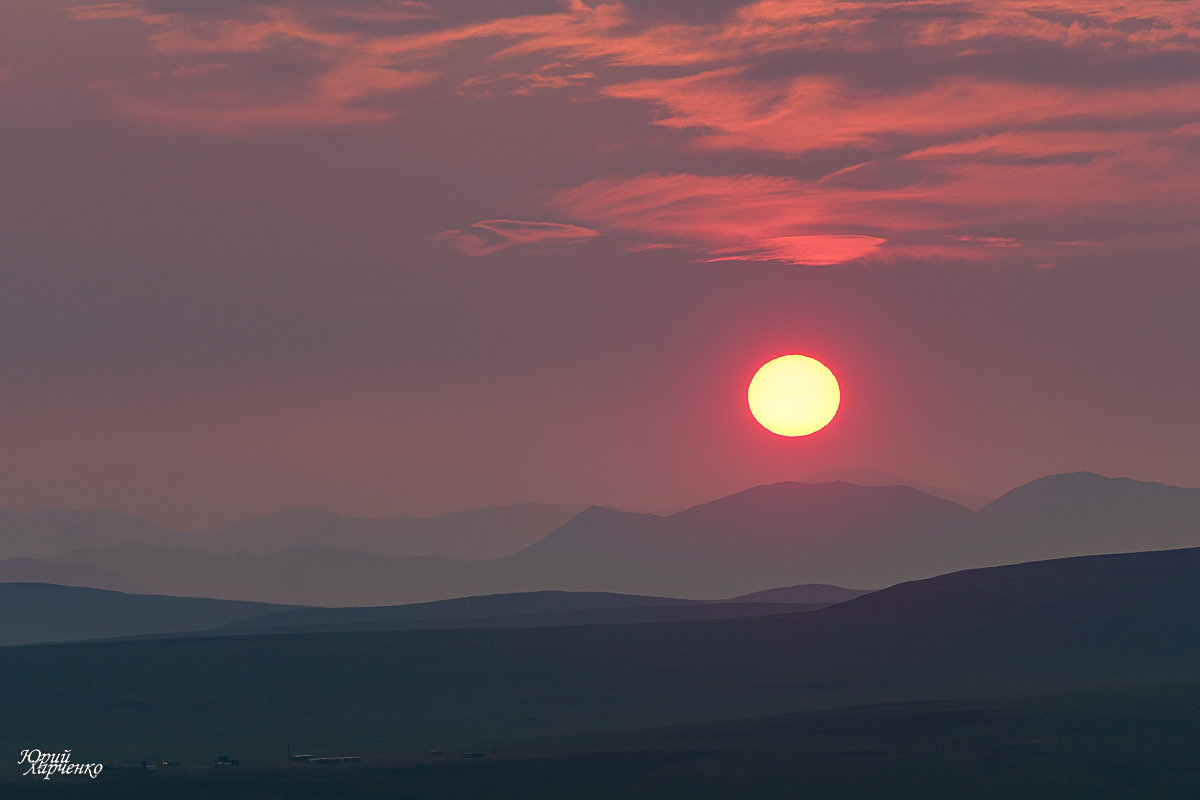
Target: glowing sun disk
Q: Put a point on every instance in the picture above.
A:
(794, 395)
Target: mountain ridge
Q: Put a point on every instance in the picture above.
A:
(772, 535)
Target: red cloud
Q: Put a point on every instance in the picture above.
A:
(729, 111)
(976, 209)
(979, 128)
(276, 67)
(747, 218)
(811, 250)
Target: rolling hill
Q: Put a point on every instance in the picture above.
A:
(39, 612)
(1080, 622)
(528, 609)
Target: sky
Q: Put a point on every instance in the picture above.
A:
(390, 258)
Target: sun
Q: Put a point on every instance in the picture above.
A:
(794, 395)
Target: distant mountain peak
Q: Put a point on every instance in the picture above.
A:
(871, 477)
(1072, 488)
(787, 494)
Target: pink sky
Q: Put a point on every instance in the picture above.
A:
(409, 257)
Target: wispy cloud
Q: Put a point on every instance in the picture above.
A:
(753, 217)
(272, 67)
(557, 75)
(957, 125)
(817, 250)
(490, 235)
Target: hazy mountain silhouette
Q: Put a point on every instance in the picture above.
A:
(1083, 513)
(65, 573)
(53, 532)
(776, 535)
(766, 536)
(318, 576)
(859, 536)
(38, 612)
(870, 477)
(473, 534)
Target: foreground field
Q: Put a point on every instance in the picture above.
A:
(1054, 679)
(1115, 742)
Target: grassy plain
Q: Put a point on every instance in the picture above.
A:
(1065, 679)
(1128, 741)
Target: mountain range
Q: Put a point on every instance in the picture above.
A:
(472, 534)
(840, 533)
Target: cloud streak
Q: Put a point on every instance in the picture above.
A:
(491, 235)
(727, 218)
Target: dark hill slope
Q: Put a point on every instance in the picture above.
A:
(1070, 622)
(41, 612)
(461, 608)
(540, 608)
(1066, 616)
(65, 573)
